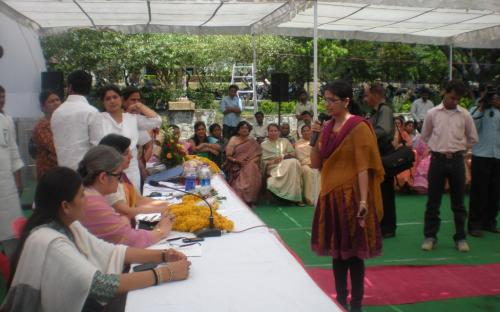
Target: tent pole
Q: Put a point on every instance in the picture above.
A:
(254, 73)
(315, 48)
(451, 62)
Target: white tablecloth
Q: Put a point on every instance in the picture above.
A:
(249, 271)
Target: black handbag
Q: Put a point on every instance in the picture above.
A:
(399, 160)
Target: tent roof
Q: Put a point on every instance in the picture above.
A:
(463, 23)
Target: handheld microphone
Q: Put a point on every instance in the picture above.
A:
(211, 231)
(322, 117)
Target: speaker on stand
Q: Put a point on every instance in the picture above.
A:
(279, 90)
(53, 80)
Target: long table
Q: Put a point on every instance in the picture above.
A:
(248, 271)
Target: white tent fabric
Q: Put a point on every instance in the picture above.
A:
(20, 67)
(462, 23)
(472, 24)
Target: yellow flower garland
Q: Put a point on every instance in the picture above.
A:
(191, 217)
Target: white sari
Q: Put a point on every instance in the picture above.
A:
(55, 274)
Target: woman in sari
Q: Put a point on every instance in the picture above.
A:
(281, 166)
(404, 180)
(101, 171)
(60, 266)
(243, 156)
(46, 157)
(310, 176)
(349, 209)
(126, 200)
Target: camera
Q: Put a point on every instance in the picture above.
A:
(487, 100)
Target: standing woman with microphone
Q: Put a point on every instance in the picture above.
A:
(349, 209)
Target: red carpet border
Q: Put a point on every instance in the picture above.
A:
(392, 285)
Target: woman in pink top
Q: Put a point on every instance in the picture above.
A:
(101, 171)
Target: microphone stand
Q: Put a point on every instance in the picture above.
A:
(211, 231)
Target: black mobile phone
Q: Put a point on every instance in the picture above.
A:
(193, 240)
(145, 267)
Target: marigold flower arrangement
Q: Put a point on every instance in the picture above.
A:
(172, 153)
(190, 216)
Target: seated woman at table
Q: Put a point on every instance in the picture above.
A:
(101, 171)
(281, 166)
(126, 200)
(242, 164)
(60, 266)
(310, 176)
(200, 144)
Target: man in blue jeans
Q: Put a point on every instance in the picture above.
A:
(449, 131)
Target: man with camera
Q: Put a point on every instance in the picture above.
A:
(485, 175)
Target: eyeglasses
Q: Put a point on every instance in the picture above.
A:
(332, 100)
(116, 175)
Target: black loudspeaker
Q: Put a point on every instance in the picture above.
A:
(53, 81)
(279, 87)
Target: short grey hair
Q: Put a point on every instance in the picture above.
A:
(98, 159)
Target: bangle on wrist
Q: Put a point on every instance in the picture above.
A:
(164, 255)
(170, 273)
(160, 278)
(155, 275)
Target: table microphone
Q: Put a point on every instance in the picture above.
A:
(211, 231)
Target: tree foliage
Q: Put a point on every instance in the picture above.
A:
(116, 57)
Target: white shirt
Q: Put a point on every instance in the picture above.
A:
(449, 130)
(10, 162)
(300, 108)
(419, 109)
(259, 131)
(76, 127)
(130, 127)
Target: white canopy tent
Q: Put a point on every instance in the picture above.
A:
(455, 23)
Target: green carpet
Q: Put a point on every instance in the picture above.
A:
(294, 225)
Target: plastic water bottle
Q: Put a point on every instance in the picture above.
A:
(190, 179)
(205, 176)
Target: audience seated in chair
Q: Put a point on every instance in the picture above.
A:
(281, 166)
(242, 164)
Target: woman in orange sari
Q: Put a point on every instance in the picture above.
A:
(349, 209)
(242, 159)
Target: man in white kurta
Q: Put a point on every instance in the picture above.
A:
(10, 163)
(76, 125)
